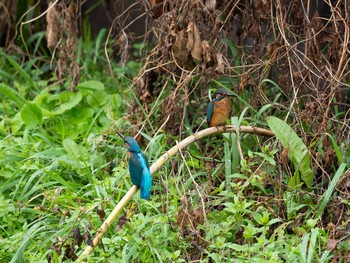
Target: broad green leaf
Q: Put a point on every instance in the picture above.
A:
(297, 151)
(91, 85)
(71, 148)
(66, 101)
(80, 114)
(305, 171)
(98, 98)
(31, 115)
(56, 104)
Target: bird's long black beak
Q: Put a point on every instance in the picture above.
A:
(121, 135)
(229, 95)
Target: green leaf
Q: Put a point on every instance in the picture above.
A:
(16, 122)
(336, 148)
(63, 102)
(98, 98)
(32, 115)
(12, 94)
(297, 150)
(71, 148)
(312, 244)
(327, 196)
(91, 85)
(293, 203)
(262, 110)
(22, 72)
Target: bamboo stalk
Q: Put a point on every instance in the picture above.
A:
(158, 164)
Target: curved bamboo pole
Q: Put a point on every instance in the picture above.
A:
(158, 164)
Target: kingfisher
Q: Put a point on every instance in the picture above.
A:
(219, 107)
(138, 167)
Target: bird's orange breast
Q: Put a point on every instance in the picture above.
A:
(221, 112)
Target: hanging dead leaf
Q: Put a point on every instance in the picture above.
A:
(220, 66)
(179, 48)
(190, 37)
(75, 73)
(194, 43)
(206, 51)
(53, 26)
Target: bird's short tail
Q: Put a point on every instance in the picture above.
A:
(146, 183)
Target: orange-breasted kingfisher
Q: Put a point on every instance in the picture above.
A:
(219, 107)
(138, 167)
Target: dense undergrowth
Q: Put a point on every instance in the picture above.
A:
(62, 170)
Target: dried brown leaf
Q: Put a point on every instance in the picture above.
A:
(69, 253)
(77, 237)
(198, 216)
(190, 37)
(121, 222)
(179, 48)
(206, 51)
(88, 238)
(194, 43)
(254, 30)
(272, 49)
(53, 27)
(331, 244)
(197, 48)
(220, 66)
(101, 214)
(210, 5)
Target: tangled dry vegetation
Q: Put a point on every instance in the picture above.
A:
(303, 46)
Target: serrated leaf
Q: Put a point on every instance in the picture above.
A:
(297, 150)
(91, 85)
(71, 148)
(67, 100)
(31, 115)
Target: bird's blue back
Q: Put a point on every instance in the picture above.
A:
(140, 173)
(210, 110)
